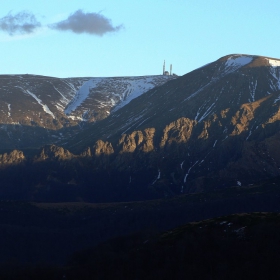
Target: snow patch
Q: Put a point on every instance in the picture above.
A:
(253, 87)
(82, 95)
(232, 64)
(113, 92)
(9, 108)
(275, 85)
(135, 88)
(237, 61)
(44, 106)
(208, 111)
(198, 91)
(64, 100)
(250, 133)
(273, 62)
(185, 179)
(182, 164)
(142, 122)
(158, 177)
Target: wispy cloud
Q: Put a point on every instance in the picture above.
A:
(21, 23)
(91, 23)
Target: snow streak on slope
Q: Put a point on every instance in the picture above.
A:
(187, 174)
(82, 94)
(64, 100)
(44, 106)
(135, 88)
(108, 93)
(69, 92)
(9, 108)
(232, 64)
(252, 88)
(275, 72)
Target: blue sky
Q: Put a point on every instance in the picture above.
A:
(141, 34)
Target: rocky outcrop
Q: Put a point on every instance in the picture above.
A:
(55, 152)
(179, 131)
(129, 142)
(86, 153)
(143, 141)
(148, 143)
(204, 134)
(224, 113)
(14, 157)
(274, 118)
(102, 148)
(245, 115)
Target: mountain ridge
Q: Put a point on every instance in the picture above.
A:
(212, 128)
(173, 98)
(32, 108)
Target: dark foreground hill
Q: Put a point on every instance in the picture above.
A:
(240, 246)
(52, 232)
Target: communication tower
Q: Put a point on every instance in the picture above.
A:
(164, 72)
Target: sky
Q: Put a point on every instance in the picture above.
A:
(87, 38)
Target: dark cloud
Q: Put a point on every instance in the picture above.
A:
(91, 23)
(21, 23)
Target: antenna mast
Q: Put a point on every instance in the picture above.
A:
(163, 68)
(170, 69)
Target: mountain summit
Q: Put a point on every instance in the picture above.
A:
(218, 123)
(221, 87)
